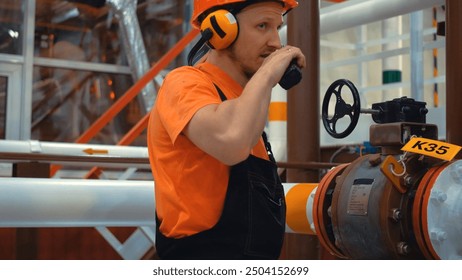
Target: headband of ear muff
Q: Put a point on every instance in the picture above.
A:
(224, 28)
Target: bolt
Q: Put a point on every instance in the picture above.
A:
(438, 235)
(456, 174)
(408, 180)
(438, 196)
(329, 211)
(396, 214)
(403, 248)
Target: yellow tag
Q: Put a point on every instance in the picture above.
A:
(432, 148)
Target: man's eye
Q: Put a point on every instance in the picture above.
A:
(262, 26)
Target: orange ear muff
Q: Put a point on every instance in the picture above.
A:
(224, 28)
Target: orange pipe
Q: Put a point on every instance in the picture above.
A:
(296, 201)
(277, 111)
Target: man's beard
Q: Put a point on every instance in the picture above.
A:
(248, 72)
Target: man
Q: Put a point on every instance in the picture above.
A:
(218, 195)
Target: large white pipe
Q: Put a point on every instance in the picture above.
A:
(370, 11)
(32, 202)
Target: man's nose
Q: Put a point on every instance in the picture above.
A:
(274, 40)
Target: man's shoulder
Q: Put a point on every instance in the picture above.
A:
(182, 80)
(185, 72)
(187, 77)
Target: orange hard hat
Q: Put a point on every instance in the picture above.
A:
(201, 6)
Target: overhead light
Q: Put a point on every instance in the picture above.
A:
(13, 34)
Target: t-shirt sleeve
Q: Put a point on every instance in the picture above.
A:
(184, 91)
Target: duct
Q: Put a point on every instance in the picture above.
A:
(135, 50)
(35, 202)
(370, 11)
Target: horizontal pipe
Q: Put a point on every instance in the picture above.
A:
(310, 165)
(299, 200)
(370, 11)
(81, 65)
(35, 202)
(363, 12)
(87, 161)
(71, 149)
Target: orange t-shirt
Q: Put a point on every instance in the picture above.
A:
(190, 185)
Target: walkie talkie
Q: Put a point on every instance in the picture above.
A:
(292, 76)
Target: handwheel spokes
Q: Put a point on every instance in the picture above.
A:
(342, 109)
(334, 125)
(331, 123)
(351, 113)
(337, 93)
(340, 123)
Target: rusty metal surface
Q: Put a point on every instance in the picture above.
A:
(303, 115)
(303, 99)
(359, 236)
(453, 73)
(371, 219)
(397, 134)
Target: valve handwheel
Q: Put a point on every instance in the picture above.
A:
(342, 108)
